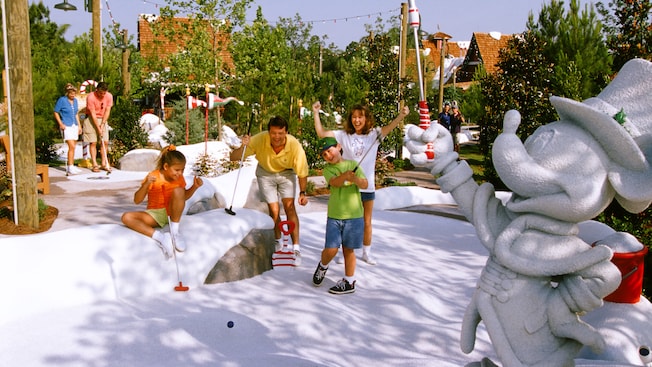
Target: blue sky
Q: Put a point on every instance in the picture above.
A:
(343, 21)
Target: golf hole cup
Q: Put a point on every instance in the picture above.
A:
(230, 324)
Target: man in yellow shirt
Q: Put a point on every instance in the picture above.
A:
(281, 159)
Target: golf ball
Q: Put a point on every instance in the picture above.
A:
(230, 324)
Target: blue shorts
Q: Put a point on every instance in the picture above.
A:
(368, 196)
(345, 232)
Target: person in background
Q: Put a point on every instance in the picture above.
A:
(345, 215)
(96, 126)
(445, 116)
(281, 159)
(65, 113)
(165, 189)
(360, 139)
(457, 119)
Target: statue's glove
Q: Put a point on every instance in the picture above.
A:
(416, 141)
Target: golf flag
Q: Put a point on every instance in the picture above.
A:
(214, 100)
(194, 103)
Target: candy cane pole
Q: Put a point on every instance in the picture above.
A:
(187, 97)
(424, 114)
(208, 89)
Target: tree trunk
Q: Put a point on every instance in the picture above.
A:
(22, 113)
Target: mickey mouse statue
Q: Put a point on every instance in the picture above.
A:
(541, 275)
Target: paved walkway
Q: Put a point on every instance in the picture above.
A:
(420, 176)
(102, 200)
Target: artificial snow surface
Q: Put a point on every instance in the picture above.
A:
(102, 295)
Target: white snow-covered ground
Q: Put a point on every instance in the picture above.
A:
(103, 295)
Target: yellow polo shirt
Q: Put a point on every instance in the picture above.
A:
(291, 157)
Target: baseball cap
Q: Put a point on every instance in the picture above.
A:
(326, 143)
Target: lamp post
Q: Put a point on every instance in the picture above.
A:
(65, 6)
(454, 77)
(440, 42)
(426, 53)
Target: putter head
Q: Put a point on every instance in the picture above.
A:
(181, 288)
(229, 211)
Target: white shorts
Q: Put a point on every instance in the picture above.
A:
(71, 133)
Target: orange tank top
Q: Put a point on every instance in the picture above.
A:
(160, 190)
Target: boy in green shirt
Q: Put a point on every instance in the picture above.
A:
(345, 223)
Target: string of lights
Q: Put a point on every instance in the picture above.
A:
(315, 21)
(115, 24)
(346, 19)
(156, 4)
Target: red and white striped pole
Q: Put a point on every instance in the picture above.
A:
(424, 114)
(187, 108)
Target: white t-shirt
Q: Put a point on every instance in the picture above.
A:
(354, 146)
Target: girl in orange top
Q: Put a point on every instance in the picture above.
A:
(165, 189)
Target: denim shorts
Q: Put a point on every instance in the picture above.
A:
(274, 185)
(368, 196)
(345, 232)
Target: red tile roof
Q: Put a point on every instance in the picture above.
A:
(158, 45)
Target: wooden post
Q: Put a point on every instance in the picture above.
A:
(22, 112)
(442, 61)
(97, 29)
(126, 77)
(402, 61)
(402, 53)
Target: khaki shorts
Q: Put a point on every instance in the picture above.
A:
(274, 185)
(159, 215)
(89, 133)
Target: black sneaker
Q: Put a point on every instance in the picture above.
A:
(319, 275)
(343, 287)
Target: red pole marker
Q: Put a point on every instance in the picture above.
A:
(285, 257)
(424, 114)
(424, 123)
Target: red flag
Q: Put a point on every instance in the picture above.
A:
(194, 103)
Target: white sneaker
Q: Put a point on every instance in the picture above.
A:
(297, 258)
(368, 259)
(166, 246)
(74, 170)
(278, 246)
(339, 259)
(179, 243)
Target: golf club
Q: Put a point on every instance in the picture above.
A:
(379, 138)
(104, 156)
(229, 210)
(180, 287)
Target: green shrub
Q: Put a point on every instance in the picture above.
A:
(310, 188)
(384, 169)
(126, 134)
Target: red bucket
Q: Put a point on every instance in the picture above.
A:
(631, 268)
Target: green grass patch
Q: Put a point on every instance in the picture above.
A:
(472, 155)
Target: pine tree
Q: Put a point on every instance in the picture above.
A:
(627, 29)
(562, 54)
(574, 44)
